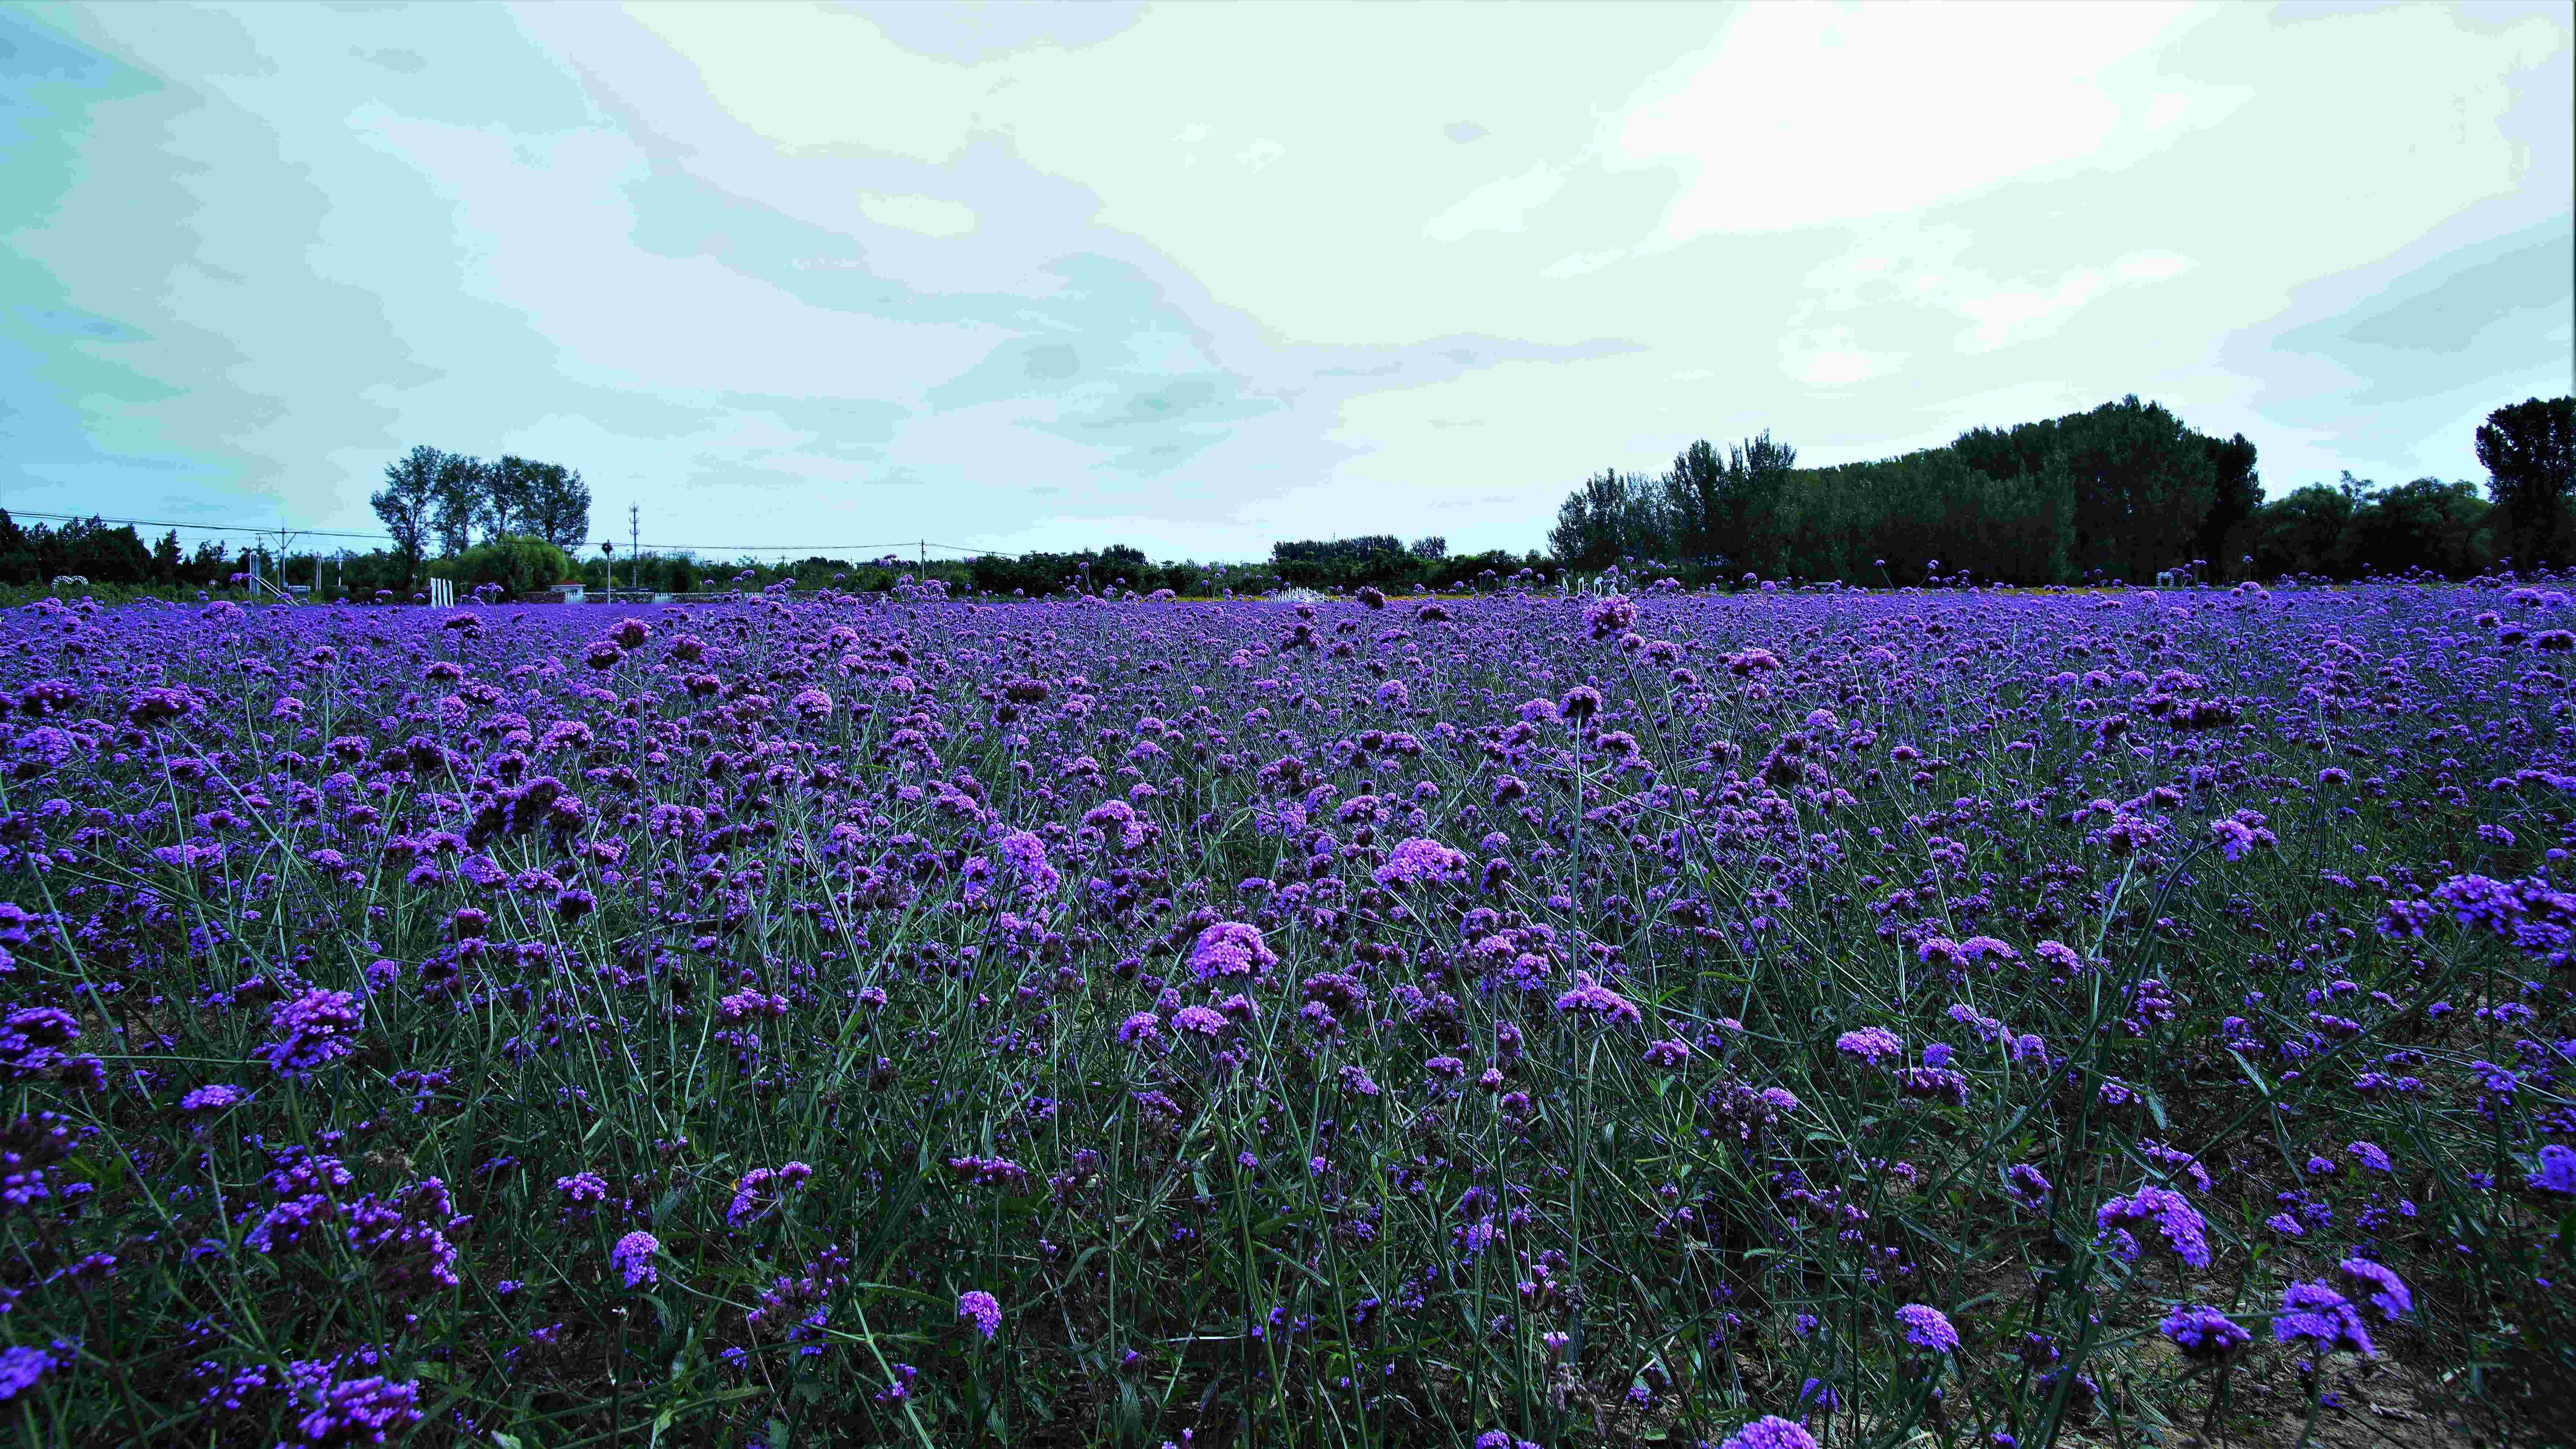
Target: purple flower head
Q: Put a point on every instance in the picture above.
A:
(1025, 853)
(358, 1411)
(633, 1256)
(1610, 616)
(2557, 1170)
(1204, 1021)
(981, 1309)
(2175, 1220)
(1418, 860)
(1590, 995)
(2027, 1186)
(763, 1188)
(1142, 1031)
(1231, 948)
(1117, 820)
(2204, 1333)
(1580, 703)
(2374, 1284)
(2318, 1315)
(1770, 1432)
(1927, 1327)
(213, 1098)
(318, 1027)
(1870, 1043)
(1668, 1053)
(20, 1369)
(582, 1187)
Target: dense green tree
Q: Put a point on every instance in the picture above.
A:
(2302, 533)
(557, 508)
(2237, 492)
(520, 563)
(18, 562)
(2529, 452)
(408, 503)
(461, 501)
(2142, 484)
(2427, 524)
(1610, 517)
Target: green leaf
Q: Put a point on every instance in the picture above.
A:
(2251, 1075)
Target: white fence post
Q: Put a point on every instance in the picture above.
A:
(442, 593)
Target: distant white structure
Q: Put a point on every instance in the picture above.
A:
(442, 593)
(71, 580)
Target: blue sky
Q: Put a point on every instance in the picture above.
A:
(1195, 277)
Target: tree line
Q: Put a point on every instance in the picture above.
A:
(2123, 492)
(456, 500)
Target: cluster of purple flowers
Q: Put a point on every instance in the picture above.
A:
(1104, 939)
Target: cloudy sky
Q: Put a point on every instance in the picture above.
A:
(1198, 276)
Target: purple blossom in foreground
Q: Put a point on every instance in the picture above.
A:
(2204, 1333)
(1231, 948)
(1420, 861)
(633, 1256)
(1770, 1432)
(2557, 1170)
(318, 1028)
(761, 1189)
(359, 1411)
(213, 1098)
(2175, 1220)
(1927, 1327)
(2374, 1284)
(1591, 996)
(20, 1370)
(981, 1309)
(1870, 1044)
(2316, 1314)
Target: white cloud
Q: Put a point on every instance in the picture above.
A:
(1577, 264)
(1970, 213)
(1827, 357)
(1796, 115)
(1500, 205)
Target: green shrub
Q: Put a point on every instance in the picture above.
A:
(519, 564)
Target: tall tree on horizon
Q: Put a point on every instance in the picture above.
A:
(558, 505)
(2529, 452)
(2237, 490)
(460, 501)
(408, 502)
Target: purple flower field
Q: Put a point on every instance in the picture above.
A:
(1763, 1019)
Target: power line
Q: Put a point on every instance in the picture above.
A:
(811, 549)
(254, 528)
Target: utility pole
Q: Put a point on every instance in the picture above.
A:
(634, 531)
